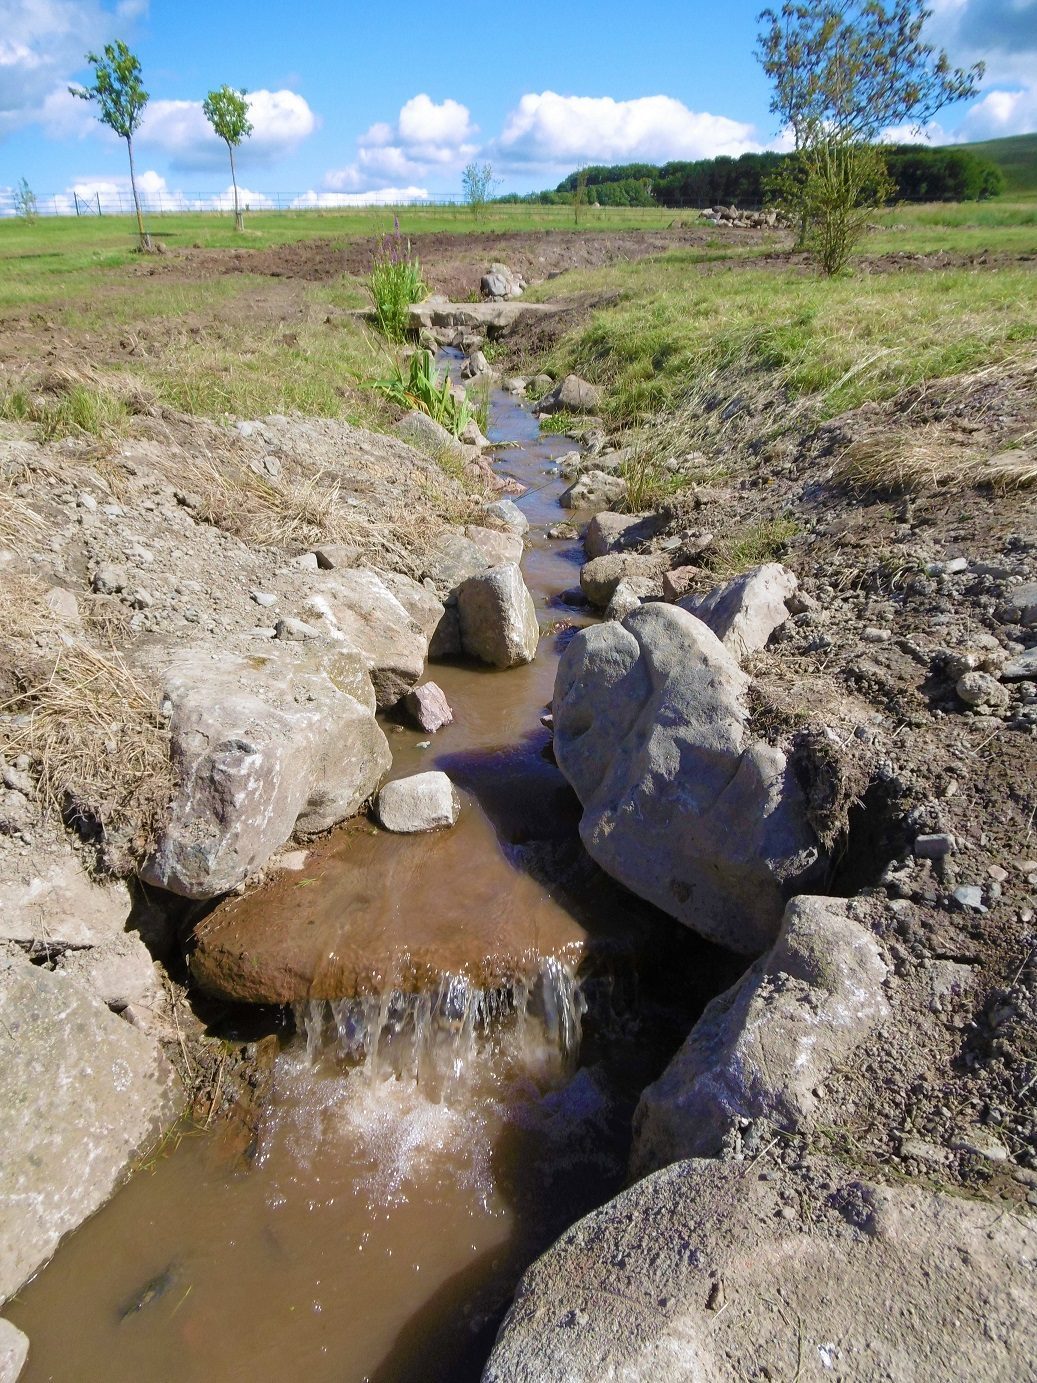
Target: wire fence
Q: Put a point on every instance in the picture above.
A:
(116, 202)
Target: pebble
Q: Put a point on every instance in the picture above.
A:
(264, 598)
(935, 846)
(873, 635)
(951, 567)
(969, 896)
(980, 689)
(295, 630)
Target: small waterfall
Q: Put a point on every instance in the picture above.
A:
(439, 1038)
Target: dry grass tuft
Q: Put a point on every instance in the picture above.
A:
(89, 724)
(934, 458)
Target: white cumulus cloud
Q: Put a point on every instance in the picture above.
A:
(43, 42)
(1003, 35)
(550, 130)
(281, 120)
(382, 196)
(426, 136)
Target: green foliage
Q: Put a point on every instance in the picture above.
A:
(25, 201)
(650, 483)
(753, 545)
(80, 411)
(561, 424)
(227, 112)
(120, 97)
(117, 89)
(396, 282)
(477, 181)
(424, 390)
(921, 174)
(831, 189)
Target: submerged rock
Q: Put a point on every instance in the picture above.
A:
(498, 618)
(262, 746)
(680, 804)
(14, 1350)
(707, 1271)
(760, 1050)
(422, 802)
(745, 612)
(83, 1093)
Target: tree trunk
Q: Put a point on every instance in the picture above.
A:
(239, 219)
(145, 238)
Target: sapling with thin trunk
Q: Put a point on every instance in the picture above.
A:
(121, 98)
(227, 112)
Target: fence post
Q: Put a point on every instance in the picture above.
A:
(75, 198)
(98, 196)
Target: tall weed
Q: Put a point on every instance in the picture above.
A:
(396, 282)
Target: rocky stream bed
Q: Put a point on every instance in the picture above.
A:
(485, 858)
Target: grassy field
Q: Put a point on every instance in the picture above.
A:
(1016, 156)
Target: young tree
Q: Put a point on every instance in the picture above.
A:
(477, 180)
(25, 201)
(121, 99)
(227, 112)
(580, 194)
(843, 71)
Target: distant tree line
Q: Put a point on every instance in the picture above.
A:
(917, 173)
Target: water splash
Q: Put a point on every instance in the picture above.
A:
(443, 1039)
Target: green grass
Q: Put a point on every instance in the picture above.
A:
(837, 343)
(80, 411)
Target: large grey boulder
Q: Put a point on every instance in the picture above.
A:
(594, 491)
(263, 746)
(495, 546)
(14, 1350)
(82, 1093)
(601, 575)
(608, 532)
(760, 1050)
(421, 603)
(718, 1272)
(501, 282)
(422, 802)
(571, 395)
(357, 609)
(492, 319)
(745, 612)
(498, 619)
(680, 803)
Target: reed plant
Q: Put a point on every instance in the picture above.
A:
(423, 389)
(396, 282)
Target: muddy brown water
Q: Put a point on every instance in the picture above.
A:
(420, 1149)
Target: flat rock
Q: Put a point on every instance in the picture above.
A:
(120, 971)
(421, 603)
(422, 802)
(498, 619)
(357, 609)
(60, 905)
(680, 803)
(745, 612)
(1022, 667)
(263, 746)
(705, 1271)
(600, 576)
(491, 319)
(83, 1093)
(608, 532)
(761, 1049)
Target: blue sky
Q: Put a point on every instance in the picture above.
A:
(358, 101)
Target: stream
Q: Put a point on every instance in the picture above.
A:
(420, 1148)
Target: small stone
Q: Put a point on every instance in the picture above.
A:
(86, 501)
(969, 896)
(1021, 668)
(295, 630)
(264, 598)
(422, 802)
(873, 635)
(110, 580)
(428, 707)
(949, 568)
(306, 561)
(935, 846)
(141, 599)
(980, 689)
(997, 873)
(292, 860)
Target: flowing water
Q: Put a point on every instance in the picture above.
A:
(423, 1143)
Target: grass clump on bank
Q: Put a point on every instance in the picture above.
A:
(81, 410)
(395, 283)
